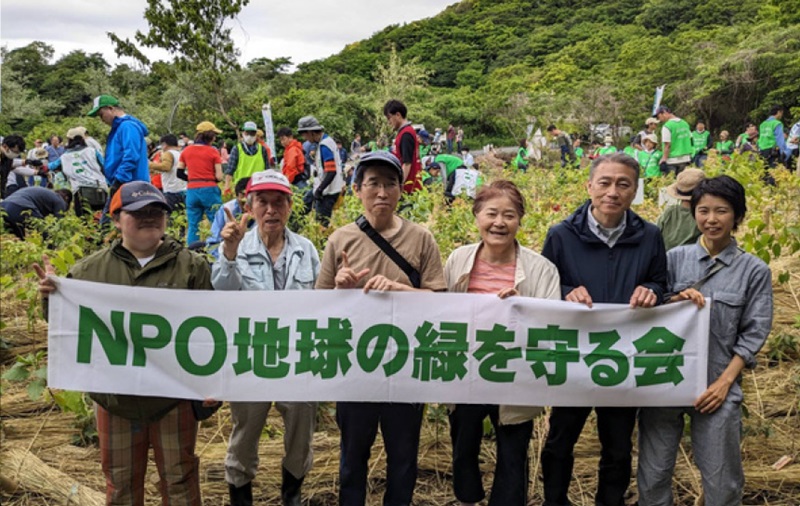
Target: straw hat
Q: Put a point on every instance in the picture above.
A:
(686, 182)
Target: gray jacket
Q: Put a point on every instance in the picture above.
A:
(252, 269)
(741, 308)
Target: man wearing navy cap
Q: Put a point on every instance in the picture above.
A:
(353, 259)
(129, 425)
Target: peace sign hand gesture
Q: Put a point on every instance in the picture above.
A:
(45, 272)
(346, 277)
(233, 233)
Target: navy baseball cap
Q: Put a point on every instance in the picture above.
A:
(135, 195)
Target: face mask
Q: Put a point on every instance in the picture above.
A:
(10, 154)
(181, 143)
(249, 139)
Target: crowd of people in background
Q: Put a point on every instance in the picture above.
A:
(677, 145)
(689, 254)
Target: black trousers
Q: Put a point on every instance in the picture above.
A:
(510, 486)
(400, 425)
(614, 427)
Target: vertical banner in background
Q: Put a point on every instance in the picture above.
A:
(658, 97)
(269, 129)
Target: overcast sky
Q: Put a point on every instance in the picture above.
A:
(302, 30)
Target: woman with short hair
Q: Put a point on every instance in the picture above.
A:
(740, 287)
(497, 265)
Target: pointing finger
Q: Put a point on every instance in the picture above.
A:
(228, 214)
(345, 262)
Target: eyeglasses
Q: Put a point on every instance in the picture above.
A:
(374, 185)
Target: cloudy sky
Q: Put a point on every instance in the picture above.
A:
(302, 30)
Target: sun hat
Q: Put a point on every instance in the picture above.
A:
(650, 137)
(651, 121)
(135, 195)
(268, 180)
(40, 154)
(249, 126)
(101, 101)
(309, 124)
(685, 183)
(78, 131)
(207, 126)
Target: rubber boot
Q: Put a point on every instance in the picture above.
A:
(290, 489)
(241, 496)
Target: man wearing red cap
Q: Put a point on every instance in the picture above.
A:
(267, 257)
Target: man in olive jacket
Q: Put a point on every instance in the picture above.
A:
(128, 425)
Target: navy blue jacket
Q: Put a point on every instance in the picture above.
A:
(608, 274)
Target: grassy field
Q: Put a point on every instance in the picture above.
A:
(39, 455)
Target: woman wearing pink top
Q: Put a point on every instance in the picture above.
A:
(498, 265)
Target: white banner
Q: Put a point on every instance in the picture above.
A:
(344, 345)
(269, 129)
(657, 98)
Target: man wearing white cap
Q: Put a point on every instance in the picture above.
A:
(267, 257)
(246, 158)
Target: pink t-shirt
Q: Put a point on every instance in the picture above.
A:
(491, 278)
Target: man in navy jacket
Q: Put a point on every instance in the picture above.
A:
(604, 252)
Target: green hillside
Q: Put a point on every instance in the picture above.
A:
(487, 65)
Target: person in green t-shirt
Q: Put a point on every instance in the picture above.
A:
(451, 163)
(724, 146)
(520, 162)
(701, 142)
(577, 149)
(676, 223)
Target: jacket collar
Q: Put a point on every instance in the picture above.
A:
(726, 256)
(578, 222)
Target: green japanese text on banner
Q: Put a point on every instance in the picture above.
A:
(344, 345)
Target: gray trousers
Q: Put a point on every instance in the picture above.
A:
(715, 446)
(249, 418)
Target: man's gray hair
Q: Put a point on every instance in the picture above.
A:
(619, 157)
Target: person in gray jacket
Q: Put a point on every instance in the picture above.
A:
(740, 288)
(267, 257)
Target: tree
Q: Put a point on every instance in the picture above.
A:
(194, 32)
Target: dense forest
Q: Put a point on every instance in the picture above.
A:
(490, 66)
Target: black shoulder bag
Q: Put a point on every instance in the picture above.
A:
(383, 244)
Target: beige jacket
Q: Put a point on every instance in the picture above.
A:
(535, 276)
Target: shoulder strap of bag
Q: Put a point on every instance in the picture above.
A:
(383, 244)
(718, 266)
